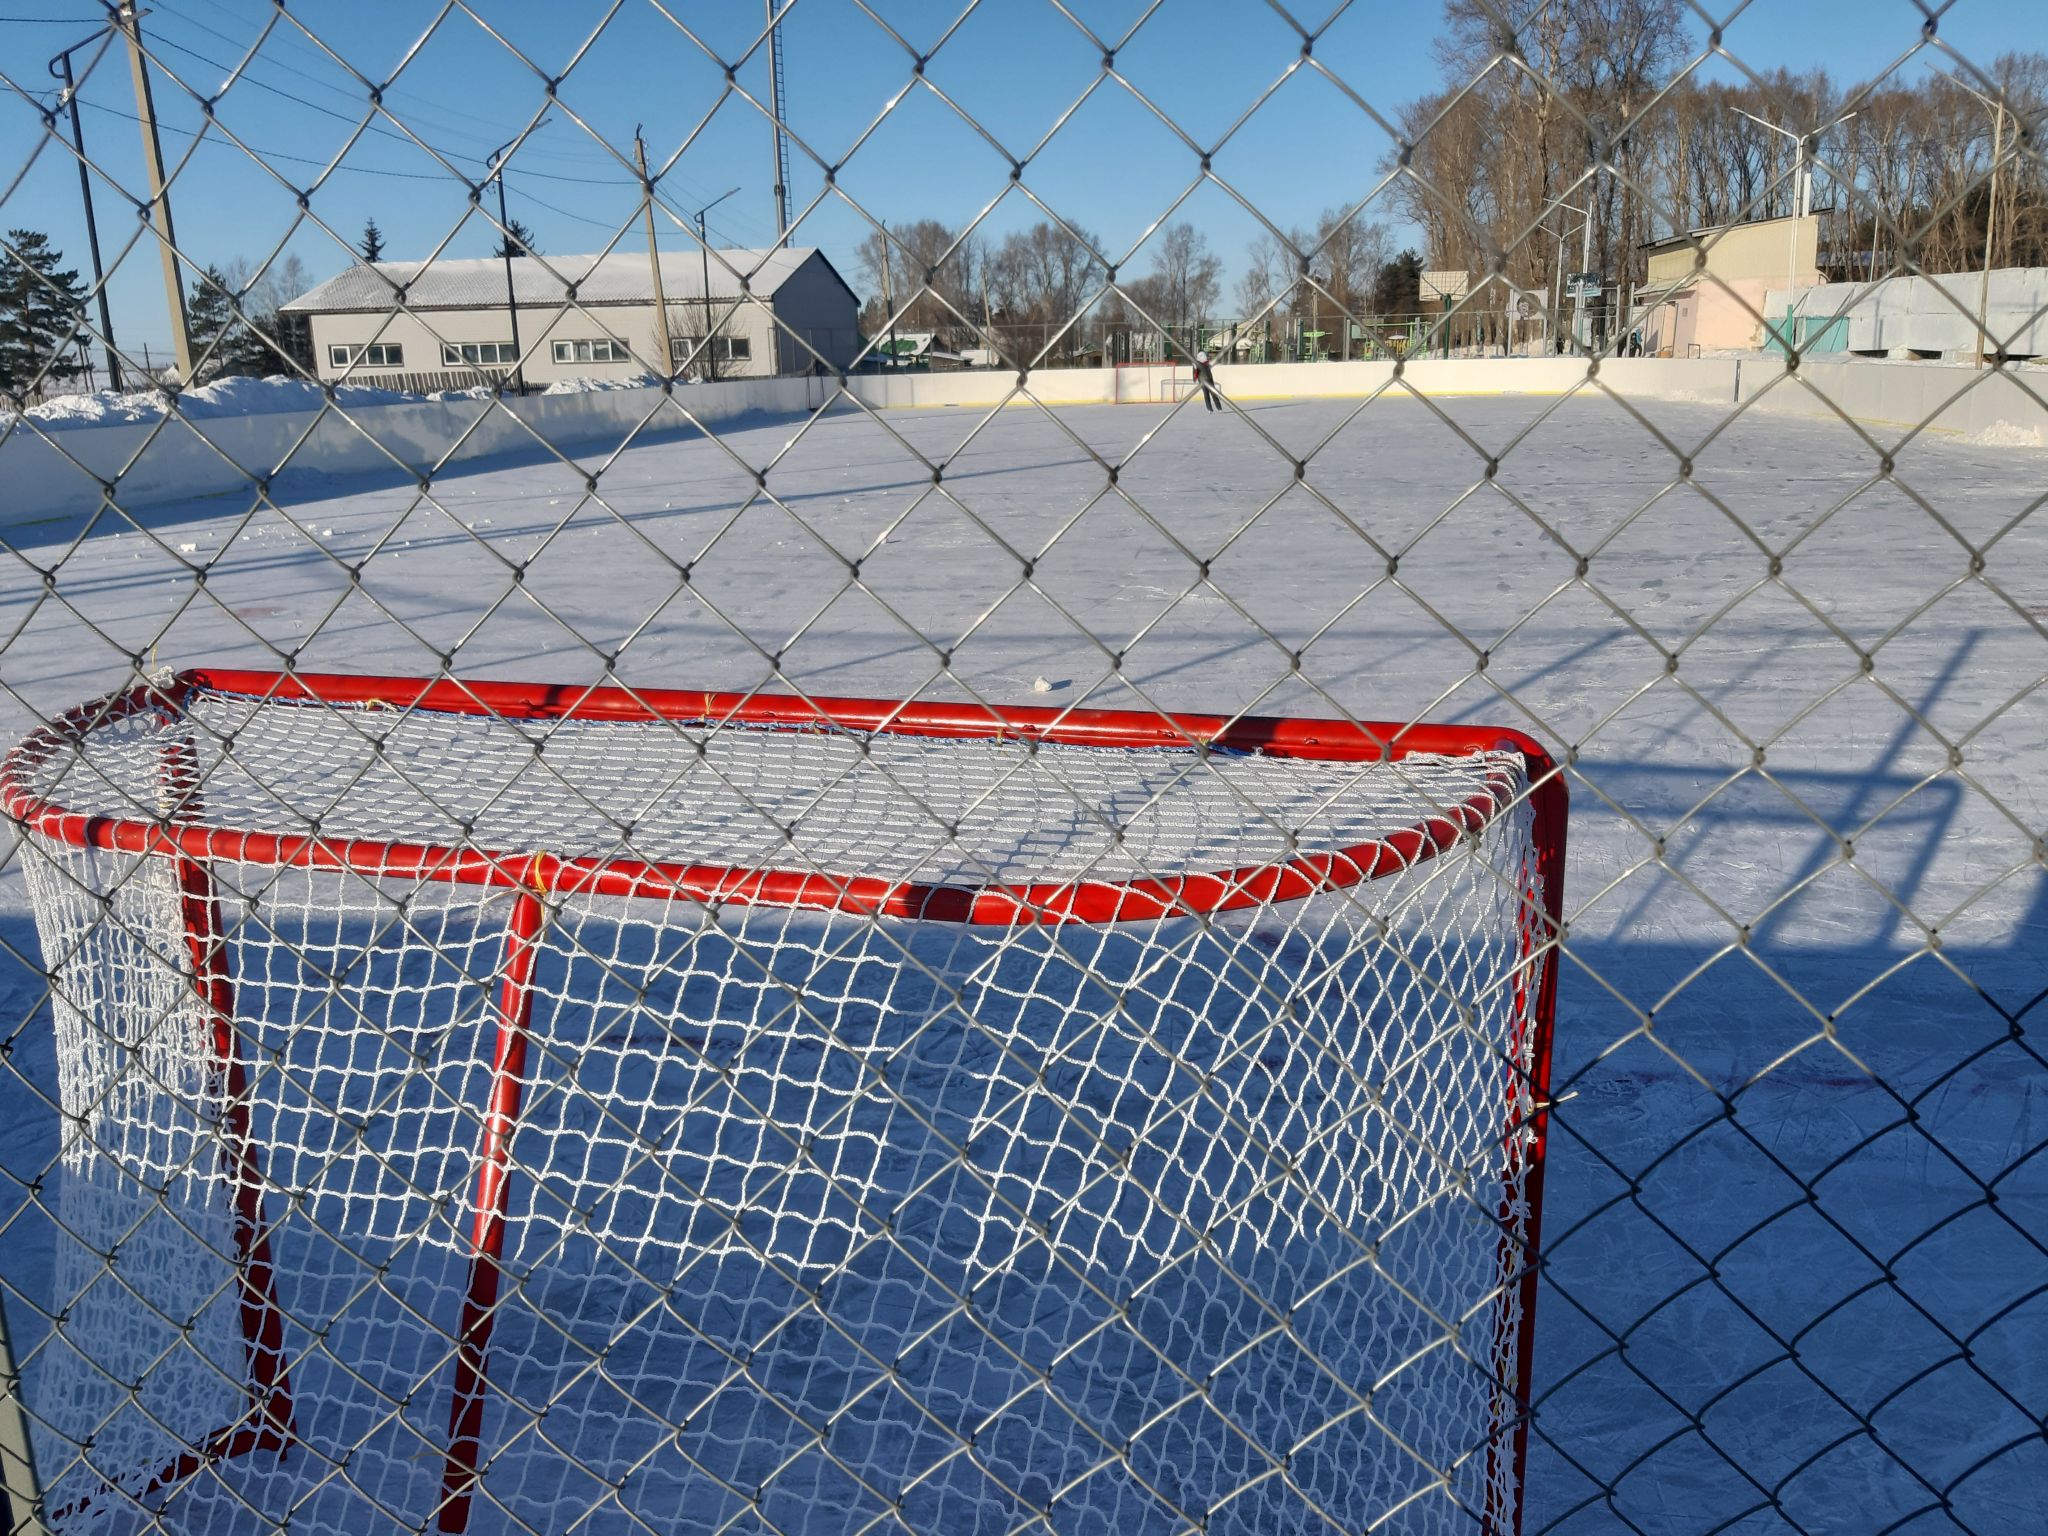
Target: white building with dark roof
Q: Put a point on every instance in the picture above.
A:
(581, 317)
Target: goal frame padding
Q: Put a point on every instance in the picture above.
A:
(178, 836)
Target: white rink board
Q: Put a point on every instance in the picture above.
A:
(1689, 985)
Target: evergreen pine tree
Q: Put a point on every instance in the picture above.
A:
(211, 319)
(373, 242)
(1399, 289)
(516, 241)
(42, 308)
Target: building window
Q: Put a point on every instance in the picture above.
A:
(726, 349)
(602, 350)
(479, 354)
(378, 354)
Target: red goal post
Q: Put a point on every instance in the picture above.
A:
(197, 759)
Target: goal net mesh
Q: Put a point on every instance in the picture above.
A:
(813, 1217)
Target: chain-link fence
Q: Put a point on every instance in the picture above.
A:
(821, 868)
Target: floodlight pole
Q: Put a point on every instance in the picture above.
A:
(1802, 206)
(496, 166)
(1557, 270)
(1990, 217)
(1585, 265)
(60, 67)
(1792, 229)
(704, 251)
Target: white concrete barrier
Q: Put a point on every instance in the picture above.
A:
(68, 471)
(1990, 406)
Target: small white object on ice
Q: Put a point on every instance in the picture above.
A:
(1041, 685)
(188, 549)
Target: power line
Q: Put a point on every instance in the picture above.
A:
(365, 170)
(244, 73)
(389, 133)
(526, 169)
(351, 96)
(272, 154)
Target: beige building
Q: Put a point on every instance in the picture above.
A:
(1684, 311)
(403, 323)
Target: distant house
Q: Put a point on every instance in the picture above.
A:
(377, 321)
(914, 350)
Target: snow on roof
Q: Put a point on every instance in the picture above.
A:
(618, 278)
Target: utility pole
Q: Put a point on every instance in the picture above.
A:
(888, 294)
(704, 251)
(777, 93)
(988, 318)
(60, 67)
(128, 20)
(496, 166)
(667, 352)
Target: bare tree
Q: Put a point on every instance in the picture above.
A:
(930, 271)
(1041, 282)
(1188, 276)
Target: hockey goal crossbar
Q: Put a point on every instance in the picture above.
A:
(1081, 901)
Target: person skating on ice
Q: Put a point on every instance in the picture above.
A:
(1205, 375)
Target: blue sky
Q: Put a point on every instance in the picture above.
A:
(1017, 66)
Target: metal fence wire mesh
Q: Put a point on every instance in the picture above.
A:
(887, 851)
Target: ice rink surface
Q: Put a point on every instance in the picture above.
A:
(1796, 1270)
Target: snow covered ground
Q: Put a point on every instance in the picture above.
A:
(1797, 1217)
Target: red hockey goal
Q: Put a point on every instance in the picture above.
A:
(536, 1107)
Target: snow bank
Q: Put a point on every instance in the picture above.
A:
(225, 439)
(596, 386)
(2007, 434)
(208, 402)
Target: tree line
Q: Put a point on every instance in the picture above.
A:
(1605, 141)
(234, 312)
(1902, 171)
(1604, 138)
(1044, 294)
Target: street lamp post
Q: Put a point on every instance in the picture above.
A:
(1990, 217)
(60, 68)
(704, 250)
(1802, 184)
(1557, 269)
(495, 165)
(1802, 188)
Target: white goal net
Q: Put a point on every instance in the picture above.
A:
(560, 1123)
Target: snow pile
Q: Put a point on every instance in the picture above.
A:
(223, 397)
(592, 386)
(2008, 434)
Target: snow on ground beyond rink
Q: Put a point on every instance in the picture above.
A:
(1724, 1403)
